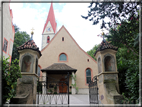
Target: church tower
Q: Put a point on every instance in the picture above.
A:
(49, 29)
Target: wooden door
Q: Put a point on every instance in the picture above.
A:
(62, 86)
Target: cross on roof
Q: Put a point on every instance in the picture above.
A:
(32, 33)
(32, 29)
(103, 34)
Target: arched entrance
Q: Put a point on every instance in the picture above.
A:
(62, 86)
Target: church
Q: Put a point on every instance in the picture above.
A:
(61, 54)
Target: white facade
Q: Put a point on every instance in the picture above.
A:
(8, 30)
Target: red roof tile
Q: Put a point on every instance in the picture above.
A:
(105, 45)
(51, 18)
(30, 44)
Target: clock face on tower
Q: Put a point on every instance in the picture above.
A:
(48, 29)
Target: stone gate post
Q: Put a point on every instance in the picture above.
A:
(107, 74)
(27, 85)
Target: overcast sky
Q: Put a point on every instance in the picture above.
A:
(33, 15)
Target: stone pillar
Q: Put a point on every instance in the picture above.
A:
(107, 74)
(108, 88)
(73, 82)
(26, 89)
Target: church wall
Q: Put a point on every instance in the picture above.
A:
(76, 57)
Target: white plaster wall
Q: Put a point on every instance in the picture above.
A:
(48, 25)
(46, 34)
(7, 29)
(44, 39)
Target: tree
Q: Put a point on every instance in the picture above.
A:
(10, 74)
(16, 28)
(19, 39)
(116, 12)
(92, 51)
(126, 35)
(128, 68)
(123, 33)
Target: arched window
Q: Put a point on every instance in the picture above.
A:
(109, 63)
(88, 75)
(62, 38)
(63, 57)
(48, 39)
(26, 64)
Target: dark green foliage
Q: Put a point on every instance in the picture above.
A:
(126, 35)
(10, 74)
(92, 51)
(116, 12)
(123, 33)
(70, 93)
(39, 87)
(16, 28)
(55, 92)
(19, 39)
(128, 68)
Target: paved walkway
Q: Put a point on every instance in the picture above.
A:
(74, 100)
(79, 99)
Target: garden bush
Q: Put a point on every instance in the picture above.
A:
(10, 73)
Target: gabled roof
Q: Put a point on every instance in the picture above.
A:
(58, 66)
(51, 18)
(30, 44)
(105, 45)
(71, 38)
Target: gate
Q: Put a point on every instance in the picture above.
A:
(93, 91)
(53, 91)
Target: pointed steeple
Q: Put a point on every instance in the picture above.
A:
(51, 18)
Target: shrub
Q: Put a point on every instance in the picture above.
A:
(10, 74)
(39, 87)
(55, 92)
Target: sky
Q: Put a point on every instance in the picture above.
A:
(33, 15)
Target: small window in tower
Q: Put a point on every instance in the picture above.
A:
(48, 39)
(88, 60)
(62, 38)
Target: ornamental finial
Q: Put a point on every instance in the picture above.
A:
(32, 34)
(103, 34)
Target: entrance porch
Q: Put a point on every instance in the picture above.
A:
(56, 82)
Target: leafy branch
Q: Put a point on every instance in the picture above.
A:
(74, 85)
